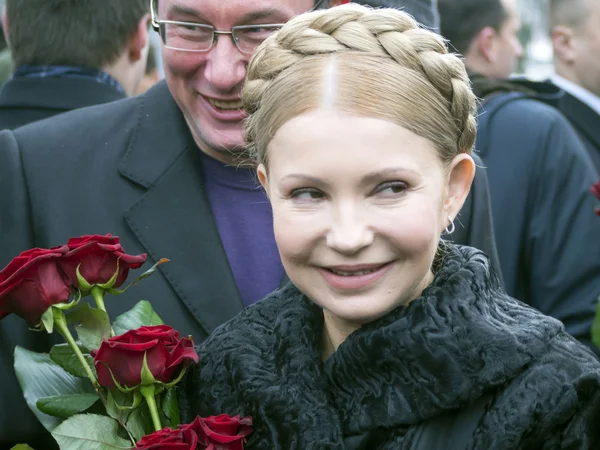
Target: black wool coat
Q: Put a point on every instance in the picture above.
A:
(463, 338)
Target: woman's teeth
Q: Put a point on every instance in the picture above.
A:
(226, 104)
(353, 274)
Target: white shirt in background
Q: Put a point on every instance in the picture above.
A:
(587, 97)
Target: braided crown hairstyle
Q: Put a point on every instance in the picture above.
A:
(368, 62)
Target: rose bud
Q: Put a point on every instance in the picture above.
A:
(122, 357)
(98, 258)
(182, 438)
(31, 283)
(596, 190)
(223, 432)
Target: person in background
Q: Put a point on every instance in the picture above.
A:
(71, 54)
(387, 338)
(167, 172)
(151, 75)
(6, 64)
(575, 32)
(539, 172)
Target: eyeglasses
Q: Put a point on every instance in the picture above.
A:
(195, 37)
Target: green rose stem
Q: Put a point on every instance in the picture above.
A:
(98, 294)
(148, 393)
(60, 323)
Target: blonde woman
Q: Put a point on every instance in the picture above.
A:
(362, 124)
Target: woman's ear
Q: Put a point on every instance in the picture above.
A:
(458, 183)
(263, 178)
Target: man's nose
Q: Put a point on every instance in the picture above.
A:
(349, 232)
(226, 66)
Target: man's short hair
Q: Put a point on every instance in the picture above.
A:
(572, 13)
(462, 20)
(83, 33)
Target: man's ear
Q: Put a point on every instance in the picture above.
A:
(261, 171)
(485, 44)
(5, 23)
(562, 44)
(140, 40)
(458, 183)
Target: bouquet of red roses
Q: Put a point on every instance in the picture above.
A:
(113, 385)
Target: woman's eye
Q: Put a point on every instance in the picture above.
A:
(307, 194)
(391, 188)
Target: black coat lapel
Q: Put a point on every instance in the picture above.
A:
(173, 218)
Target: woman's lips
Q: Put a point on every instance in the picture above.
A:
(354, 277)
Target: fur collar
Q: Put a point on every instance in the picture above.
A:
(462, 337)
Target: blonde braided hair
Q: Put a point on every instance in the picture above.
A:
(385, 66)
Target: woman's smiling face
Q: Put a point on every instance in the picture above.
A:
(359, 205)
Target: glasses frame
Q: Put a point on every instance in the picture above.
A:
(156, 24)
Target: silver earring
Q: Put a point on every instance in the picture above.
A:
(450, 228)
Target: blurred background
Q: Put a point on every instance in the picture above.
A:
(537, 61)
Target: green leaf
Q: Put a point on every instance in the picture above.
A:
(90, 432)
(93, 325)
(66, 405)
(41, 377)
(170, 407)
(83, 284)
(119, 405)
(146, 274)
(48, 320)
(139, 423)
(21, 447)
(63, 355)
(141, 315)
(596, 326)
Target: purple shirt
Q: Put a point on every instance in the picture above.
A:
(244, 219)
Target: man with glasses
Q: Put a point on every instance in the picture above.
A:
(167, 172)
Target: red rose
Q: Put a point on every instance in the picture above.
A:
(222, 432)
(31, 283)
(596, 192)
(99, 257)
(183, 438)
(123, 355)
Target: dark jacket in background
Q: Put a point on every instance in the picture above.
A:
(26, 100)
(586, 122)
(132, 169)
(424, 11)
(540, 177)
(462, 339)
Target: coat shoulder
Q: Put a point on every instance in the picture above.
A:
(555, 401)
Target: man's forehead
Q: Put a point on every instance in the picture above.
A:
(235, 10)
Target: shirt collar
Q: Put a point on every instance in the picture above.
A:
(587, 97)
(51, 71)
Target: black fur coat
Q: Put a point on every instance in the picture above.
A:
(461, 338)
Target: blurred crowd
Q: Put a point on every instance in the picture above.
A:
(530, 210)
